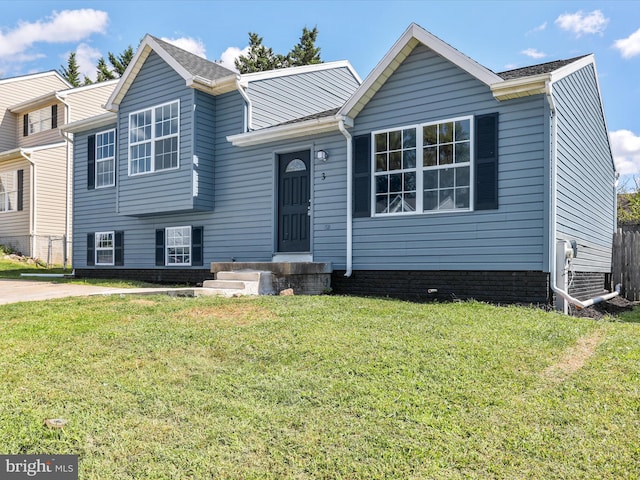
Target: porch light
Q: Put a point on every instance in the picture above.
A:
(322, 155)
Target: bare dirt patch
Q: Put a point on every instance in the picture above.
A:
(240, 314)
(574, 358)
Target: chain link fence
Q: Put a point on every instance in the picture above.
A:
(49, 249)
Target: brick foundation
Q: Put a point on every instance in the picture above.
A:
(505, 287)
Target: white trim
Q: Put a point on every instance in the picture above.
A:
(289, 131)
(82, 88)
(153, 139)
(34, 75)
(283, 72)
(572, 67)
(166, 246)
(148, 44)
(420, 168)
(521, 87)
(112, 249)
(400, 50)
(97, 121)
(107, 159)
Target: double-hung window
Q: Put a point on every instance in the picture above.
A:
(105, 159)
(40, 120)
(153, 139)
(178, 246)
(8, 191)
(423, 168)
(104, 248)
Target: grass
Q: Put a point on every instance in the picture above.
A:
(319, 387)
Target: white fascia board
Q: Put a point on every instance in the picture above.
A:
(284, 72)
(34, 103)
(573, 67)
(289, 131)
(64, 93)
(397, 54)
(521, 87)
(30, 150)
(215, 87)
(10, 154)
(35, 75)
(97, 121)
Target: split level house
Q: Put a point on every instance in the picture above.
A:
(36, 159)
(434, 178)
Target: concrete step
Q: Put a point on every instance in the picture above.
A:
(224, 284)
(253, 276)
(219, 292)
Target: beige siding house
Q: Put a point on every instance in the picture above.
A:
(35, 160)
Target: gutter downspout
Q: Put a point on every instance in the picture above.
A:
(32, 200)
(249, 112)
(347, 135)
(69, 176)
(554, 213)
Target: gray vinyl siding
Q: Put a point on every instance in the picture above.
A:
(426, 87)
(204, 151)
(278, 100)
(586, 178)
(163, 191)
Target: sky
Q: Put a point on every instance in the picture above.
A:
(37, 36)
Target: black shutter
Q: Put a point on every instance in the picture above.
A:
(20, 190)
(196, 245)
(91, 249)
(118, 252)
(54, 116)
(160, 247)
(91, 162)
(362, 176)
(25, 125)
(486, 162)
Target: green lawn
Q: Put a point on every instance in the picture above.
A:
(319, 387)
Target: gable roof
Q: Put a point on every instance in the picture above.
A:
(413, 36)
(515, 83)
(20, 78)
(198, 72)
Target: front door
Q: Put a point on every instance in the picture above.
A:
(294, 202)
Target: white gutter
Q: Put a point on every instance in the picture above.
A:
(554, 214)
(347, 135)
(249, 112)
(32, 206)
(69, 177)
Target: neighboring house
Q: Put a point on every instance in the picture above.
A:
(435, 178)
(35, 160)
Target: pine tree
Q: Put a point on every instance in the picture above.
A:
(121, 61)
(305, 52)
(71, 73)
(104, 73)
(258, 59)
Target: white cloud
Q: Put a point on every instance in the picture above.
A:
(539, 28)
(580, 23)
(60, 27)
(229, 56)
(189, 44)
(87, 59)
(533, 53)
(630, 46)
(626, 151)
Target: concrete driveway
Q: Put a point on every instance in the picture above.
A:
(13, 291)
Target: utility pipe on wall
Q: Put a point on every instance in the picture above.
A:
(554, 216)
(347, 135)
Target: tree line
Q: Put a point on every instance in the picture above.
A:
(259, 58)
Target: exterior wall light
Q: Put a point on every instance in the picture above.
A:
(322, 155)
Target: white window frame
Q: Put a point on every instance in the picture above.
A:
(9, 198)
(99, 248)
(107, 159)
(40, 120)
(420, 168)
(153, 139)
(168, 244)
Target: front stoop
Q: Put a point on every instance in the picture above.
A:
(305, 278)
(231, 284)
